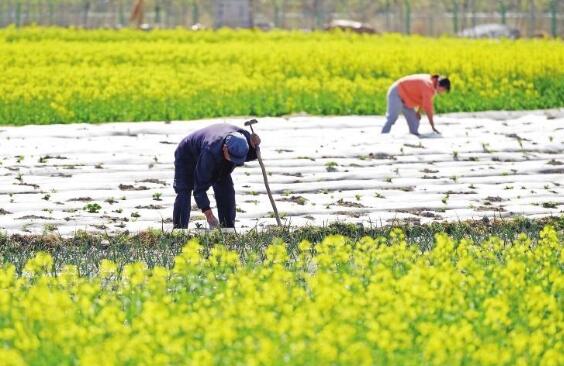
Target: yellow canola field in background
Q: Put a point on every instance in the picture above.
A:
(373, 301)
(54, 75)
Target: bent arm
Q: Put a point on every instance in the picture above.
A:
(203, 180)
(251, 139)
(428, 108)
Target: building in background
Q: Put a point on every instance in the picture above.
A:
(233, 14)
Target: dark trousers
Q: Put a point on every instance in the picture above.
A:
(184, 185)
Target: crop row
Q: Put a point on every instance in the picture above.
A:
(339, 301)
(52, 75)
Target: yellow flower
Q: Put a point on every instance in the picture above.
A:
(353, 302)
(11, 358)
(107, 269)
(276, 253)
(41, 263)
(134, 273)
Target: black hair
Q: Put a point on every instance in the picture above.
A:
(442, 81)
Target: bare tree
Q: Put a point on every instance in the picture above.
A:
(137, 13)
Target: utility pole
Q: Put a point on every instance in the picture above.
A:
(407, 4)
(455, 16)
(553, 15)
(532, 18)
(503, 12)
(318, 13)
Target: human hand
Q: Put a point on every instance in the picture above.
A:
(418, 116)
(255, 140)
(213, 222)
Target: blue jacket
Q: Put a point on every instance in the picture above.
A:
(205, 148)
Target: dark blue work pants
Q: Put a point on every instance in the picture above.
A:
(184, 185)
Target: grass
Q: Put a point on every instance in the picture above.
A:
(92, 208)
(331, 166)
(86, 250)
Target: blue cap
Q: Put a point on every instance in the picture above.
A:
(238, 147)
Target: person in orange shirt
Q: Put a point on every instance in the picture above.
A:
(411, 94)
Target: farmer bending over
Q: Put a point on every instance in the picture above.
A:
(411, 94)
(205, 159)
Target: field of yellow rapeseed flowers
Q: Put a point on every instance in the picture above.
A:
(341, 301)
(52, 75)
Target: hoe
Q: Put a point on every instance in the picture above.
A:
(264, 175)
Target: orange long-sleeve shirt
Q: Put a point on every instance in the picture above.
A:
(417, 91)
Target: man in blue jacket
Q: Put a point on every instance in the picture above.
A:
(205, 159)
